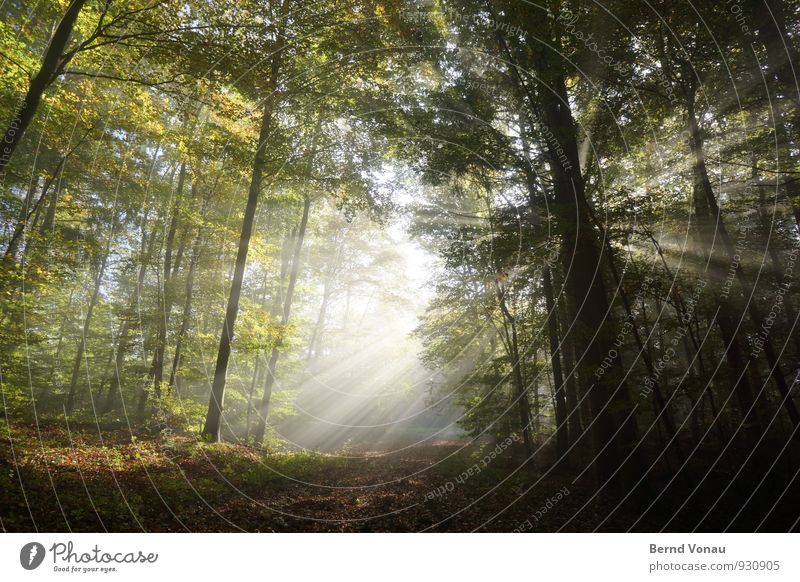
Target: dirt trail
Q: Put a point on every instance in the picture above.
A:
(79, 482)
(59, 481)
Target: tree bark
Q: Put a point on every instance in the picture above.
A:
(769, 18)
(316, 335)
(59, 343)
(661, 404)
(119, 362)
(253, 383)
(315, 343)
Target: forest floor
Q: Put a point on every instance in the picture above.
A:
(82, 480)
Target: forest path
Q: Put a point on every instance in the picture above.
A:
(78, 482)
(175, 483)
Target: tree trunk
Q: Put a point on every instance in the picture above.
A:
(76, 369)
(119, 362)
(769, 18)
(123, 341)
(27, 209)
(319, 326)
(562, 431)
(573, 402)
(52, 65)
(189, 290)
(263, 408)
(709, 222)
(511, 344)
(253, 383)
(59, 343)
(617, 462)
(165, 298)
(613, 428)
(661, 405)
(31, 208)
(211, 430)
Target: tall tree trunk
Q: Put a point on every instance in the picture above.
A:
(189, 291)
(573, 408)
(776, 263)
(106, 375)
(315, 343)
(613, 429)
(52, 65)
(693, 335)
(559, 389)
(661, 405)
(123, 340)
(211, 429)
(250, 393)
(27, 209)
(76, 369)
(185, 318)
(263, 407)
(769, 19)
(49, 222)
(262, 410)
(709, 222)
(59, 343)
(705, 229)
(617, 462)
(316, 336)
(119, 362)
(517, 378)
(165, 298)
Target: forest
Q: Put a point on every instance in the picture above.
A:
(399, 266)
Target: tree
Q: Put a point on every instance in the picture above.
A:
(211, 430)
